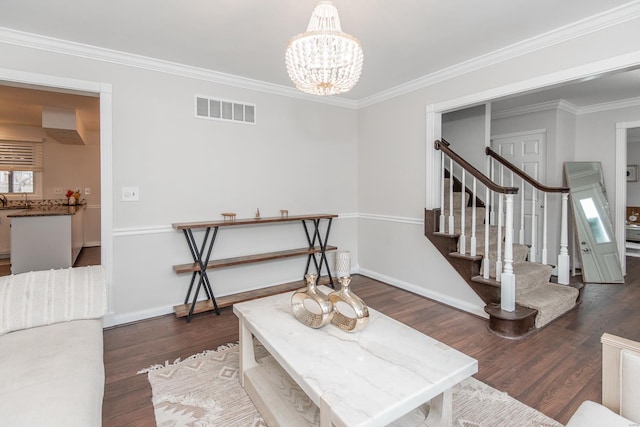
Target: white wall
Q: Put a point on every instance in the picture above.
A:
(75, 166)
(391, 200)
(300, 156)
(465, 131)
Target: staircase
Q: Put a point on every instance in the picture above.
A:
(538, 300)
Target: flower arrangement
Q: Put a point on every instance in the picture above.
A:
(73, 193)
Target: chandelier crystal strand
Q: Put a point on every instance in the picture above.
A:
(324, 60)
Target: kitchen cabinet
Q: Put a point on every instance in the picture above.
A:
(5, 231)
(43, 239)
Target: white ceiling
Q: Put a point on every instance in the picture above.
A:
(403, 40)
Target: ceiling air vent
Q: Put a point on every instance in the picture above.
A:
(223, 109)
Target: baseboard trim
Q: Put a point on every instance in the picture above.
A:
(112, 319)
(436, 296)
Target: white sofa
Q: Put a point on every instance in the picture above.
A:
(620, 387)
(51, 348)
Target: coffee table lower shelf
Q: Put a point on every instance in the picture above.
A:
(281, 402)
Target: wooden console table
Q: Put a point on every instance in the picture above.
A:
(201, 254)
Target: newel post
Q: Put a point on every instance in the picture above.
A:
(508, 282)
(563, 256)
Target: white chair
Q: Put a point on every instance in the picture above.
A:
(620, 387)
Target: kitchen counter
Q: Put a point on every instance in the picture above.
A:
(46, 237)
(46, 211)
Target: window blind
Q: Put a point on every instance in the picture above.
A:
(21, 156)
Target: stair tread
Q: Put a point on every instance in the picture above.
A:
(466, 256)
(551, 300)
(520, 312)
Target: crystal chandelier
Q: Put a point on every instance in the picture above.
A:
(324, 60)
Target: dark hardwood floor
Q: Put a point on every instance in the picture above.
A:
(553, 370)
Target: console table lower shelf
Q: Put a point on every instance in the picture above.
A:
(182, 310)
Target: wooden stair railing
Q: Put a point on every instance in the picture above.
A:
(563, 266)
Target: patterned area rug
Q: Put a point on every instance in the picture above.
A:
(203, 390)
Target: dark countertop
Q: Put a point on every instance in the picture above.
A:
(46, 211)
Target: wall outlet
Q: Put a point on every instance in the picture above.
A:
(130, 194)
(87, 191)
(57, 190)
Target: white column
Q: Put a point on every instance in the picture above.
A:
(563, 256)
(463, 210)
(499, 242)
(521, 234)
(544, 230)
(508, 282)
(441, 225)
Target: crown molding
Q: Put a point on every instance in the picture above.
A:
(613, 105)
(559, 104)
(612, 17)
(568, 107)
(50, 44)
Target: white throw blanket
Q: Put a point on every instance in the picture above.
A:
(41, 298)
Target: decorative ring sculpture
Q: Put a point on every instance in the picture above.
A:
(313, 297)
(344, 295)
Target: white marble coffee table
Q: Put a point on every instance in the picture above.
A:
(369, 378)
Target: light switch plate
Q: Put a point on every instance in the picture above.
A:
(130, 194)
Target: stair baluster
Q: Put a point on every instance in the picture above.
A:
(534, 227)
(500, 219)
(486, 263)
(451, 217)
(463, 211)
(472, 246)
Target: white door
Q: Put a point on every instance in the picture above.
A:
(526, 150)
(598, 249)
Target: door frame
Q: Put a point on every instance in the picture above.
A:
(620, 212)
(104, 91)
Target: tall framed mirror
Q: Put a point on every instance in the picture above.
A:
(596, 241)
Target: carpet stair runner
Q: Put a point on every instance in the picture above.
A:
(545, 300)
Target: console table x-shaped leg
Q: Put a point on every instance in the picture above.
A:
(202, 262)
(323, 248)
